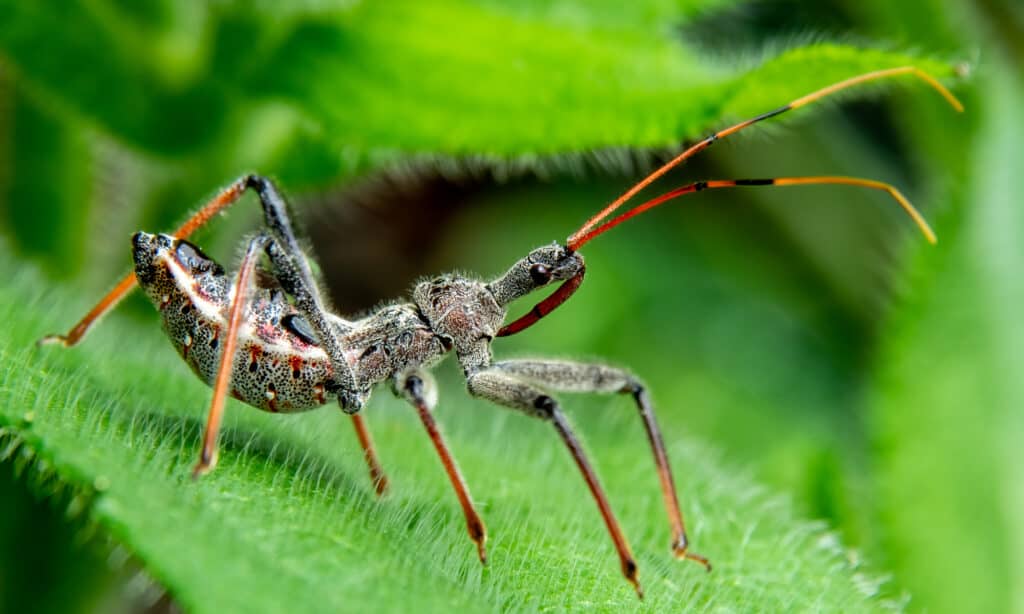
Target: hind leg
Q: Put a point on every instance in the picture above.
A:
(571, 376)
(510, 390)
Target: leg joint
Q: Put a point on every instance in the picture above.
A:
(546, 406)
(413, 385)
(633, 386)
(351, 401)
(256, 182)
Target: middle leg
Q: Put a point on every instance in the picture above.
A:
(417, 387)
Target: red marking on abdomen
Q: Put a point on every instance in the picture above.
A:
(296, 364)
(255, 351)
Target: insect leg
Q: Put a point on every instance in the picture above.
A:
(579, 377)
(377, 476)
(417, 387)
(296, 278)
(277, 220)
(288, 275)
(290, 270)
(223, 200)
(509, 390)
(222, 383)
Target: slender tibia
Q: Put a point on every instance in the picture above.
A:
(629, 569)
(579, 237)
(511, 391)
(291, 273)
(698, 186)
(413, 388)
(223, 200)
(222, 383)
(377, 476)
(680, 545)
(108, 302)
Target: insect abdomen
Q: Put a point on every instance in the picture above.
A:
(276, 381)
(272, 371)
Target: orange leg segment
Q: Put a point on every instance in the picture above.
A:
(377, 476)
(225, 199)
(222, 383)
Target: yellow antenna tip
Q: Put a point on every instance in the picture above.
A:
(942, 89)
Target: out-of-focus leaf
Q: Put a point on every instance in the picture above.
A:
(947, 411)
(45, 188)
(367, 83)
(45, 564)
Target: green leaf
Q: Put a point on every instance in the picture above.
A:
(315, 97)
(45, 188)
(41, 548)
(196, 93)
(288, 521)
(947, 410)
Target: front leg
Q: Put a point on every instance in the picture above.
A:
(417, 387)
(597, 378)
(494, 384)
(294, 282)
(292, 270)
(278, 223)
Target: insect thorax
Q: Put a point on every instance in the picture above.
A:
(464, 313)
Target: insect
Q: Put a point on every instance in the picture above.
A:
(275, 346)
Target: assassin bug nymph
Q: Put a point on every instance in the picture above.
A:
(247, 340)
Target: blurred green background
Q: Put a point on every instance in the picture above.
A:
(807, 335)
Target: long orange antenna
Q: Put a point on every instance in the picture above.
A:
(584, 233)
(377, 475)
(698, 186)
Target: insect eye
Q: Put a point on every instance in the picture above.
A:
(540, 274)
